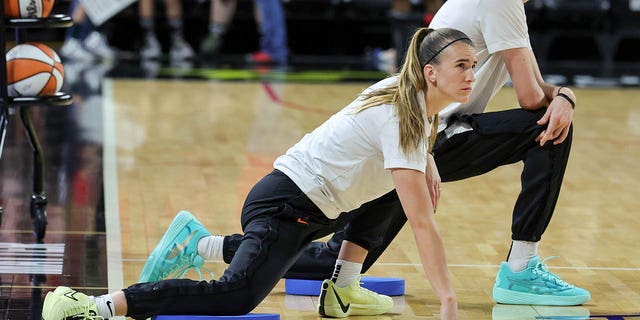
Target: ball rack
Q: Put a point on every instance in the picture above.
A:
(23, 104)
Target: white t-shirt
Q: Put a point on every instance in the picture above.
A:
(344, 162)
(492, 25)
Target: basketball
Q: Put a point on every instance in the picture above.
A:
(27, 8)
(33, 69)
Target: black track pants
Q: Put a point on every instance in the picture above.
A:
(279, 222)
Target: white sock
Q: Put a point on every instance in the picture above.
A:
(345, 272)
(210, 248)
(521, 253)
(106, 307)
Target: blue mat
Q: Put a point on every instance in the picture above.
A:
(386, 286)
(255, 316)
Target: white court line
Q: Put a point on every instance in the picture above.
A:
(497, 266)
(111, 201)
(494, 266)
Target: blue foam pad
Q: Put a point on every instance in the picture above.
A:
(254, 316)
(386, 286)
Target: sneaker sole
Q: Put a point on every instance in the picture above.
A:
(179, 222)
(354, 310)
(505, 296)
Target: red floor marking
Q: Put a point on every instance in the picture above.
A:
(274, 97)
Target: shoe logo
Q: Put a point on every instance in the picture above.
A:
(71, 294)
(109, 306)
(180, 246)
(342, 306)
(81, 316)
(301, 221)
(536, 285)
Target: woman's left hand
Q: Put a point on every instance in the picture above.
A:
(557, 118)
(433, 181)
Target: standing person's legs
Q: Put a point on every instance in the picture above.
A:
(273, 27)
(524, 278)
(507, 137)
(78, 30)
(180, 48)
(431, 7)
(220, 14)
(404, 22)
(150, 45)
(145, 14)
(73, 47)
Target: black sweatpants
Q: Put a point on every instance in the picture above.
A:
(278, 221)
(497, 139)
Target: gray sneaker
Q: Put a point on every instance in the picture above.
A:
(97, 44)
(180, 50)
(72, 49)
(151, 48)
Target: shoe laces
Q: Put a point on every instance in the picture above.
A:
(185, 263)
(81, 311)
(365, 290)
(542, 270)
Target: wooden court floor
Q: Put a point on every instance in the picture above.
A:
(200, 146)
(153, 147)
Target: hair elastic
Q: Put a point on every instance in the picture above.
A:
(566, 97)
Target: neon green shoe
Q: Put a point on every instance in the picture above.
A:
(177, 251)
(352, 300)
(65, 303)
(535, 285)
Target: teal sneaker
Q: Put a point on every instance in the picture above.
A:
(535, 285)
(177, 251)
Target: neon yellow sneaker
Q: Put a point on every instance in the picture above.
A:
(352, 300)
(65, 303)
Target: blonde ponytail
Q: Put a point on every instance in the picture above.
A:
(424, 47)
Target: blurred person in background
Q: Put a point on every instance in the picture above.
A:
(84, 41)
(270, 19)
(151, 49)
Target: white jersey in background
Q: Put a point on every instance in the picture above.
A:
(344, 162)
(492, 25)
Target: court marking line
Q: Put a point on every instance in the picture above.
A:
(273, 95)
(12, 286)
(17, 231)
(497, 266)
(111, 201)
(455, 265)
